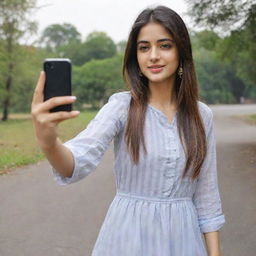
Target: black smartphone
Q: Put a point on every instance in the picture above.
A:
(58, 81)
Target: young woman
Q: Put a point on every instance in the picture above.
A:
(164, 144)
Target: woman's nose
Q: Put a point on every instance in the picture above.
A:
(154, 54)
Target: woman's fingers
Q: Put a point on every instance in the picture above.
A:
(50, 120)
(40, 108)
(38, 96)
(57, 101)
(46, 123)
(62, 115)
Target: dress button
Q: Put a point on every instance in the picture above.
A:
(166, 193)
(169, 176)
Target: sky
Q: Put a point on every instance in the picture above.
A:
(115, 17)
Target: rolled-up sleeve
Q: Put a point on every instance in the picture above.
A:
(206, 198)
(89, 146)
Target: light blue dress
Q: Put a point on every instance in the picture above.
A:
(154, 211)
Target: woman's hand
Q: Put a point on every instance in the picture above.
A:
(45, 123)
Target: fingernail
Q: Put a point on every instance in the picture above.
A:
(76, 112)
(73, 97)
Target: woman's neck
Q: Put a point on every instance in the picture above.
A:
(162, 95)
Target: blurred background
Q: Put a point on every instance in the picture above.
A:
(93, 35)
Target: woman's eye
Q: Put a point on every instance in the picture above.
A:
(166, 46)
(143, 48)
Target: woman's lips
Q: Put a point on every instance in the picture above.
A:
(156, 69)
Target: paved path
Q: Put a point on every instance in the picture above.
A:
(236, 153)
(39, 217)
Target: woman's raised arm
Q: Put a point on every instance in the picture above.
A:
(45, 126)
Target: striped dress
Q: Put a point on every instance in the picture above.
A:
(154, 212)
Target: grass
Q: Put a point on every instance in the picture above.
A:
(18, 146)
(252, 119)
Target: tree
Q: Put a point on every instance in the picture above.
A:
(227, 15)
(239, 50)
(14, 24)
(96, 80)
(98, 45)
(57, 35)
(236, 22)
(74, 50)
(206, 39)
(218, 80)
(26, 75)
(121, 46)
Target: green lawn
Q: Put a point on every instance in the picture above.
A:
(18, 145)
(253, 117)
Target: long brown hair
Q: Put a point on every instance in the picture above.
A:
(190, 125)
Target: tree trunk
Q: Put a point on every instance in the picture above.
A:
(8, 90)
(8, 87)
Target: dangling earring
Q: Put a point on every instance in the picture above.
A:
(140, 74)
(180, 72)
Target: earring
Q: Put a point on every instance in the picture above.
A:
(180, 72)
(140, 74)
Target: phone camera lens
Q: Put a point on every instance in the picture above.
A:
(49, 65)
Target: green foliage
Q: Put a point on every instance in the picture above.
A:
(237, 49)
(121, 46)
(26, 76)
(218, 80)
(98, 45)
(58, 35)
(74, 51)
(206, 39)
(226, 15)
(14, 24)
(64, 41)
(96, 80)
(14, 19)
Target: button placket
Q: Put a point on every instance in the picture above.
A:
(172, 152)
(171, 162)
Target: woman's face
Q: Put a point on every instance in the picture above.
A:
(157, 53)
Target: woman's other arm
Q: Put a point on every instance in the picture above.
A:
(206, 197)
(212, 243)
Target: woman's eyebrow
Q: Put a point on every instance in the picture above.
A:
(160, 40)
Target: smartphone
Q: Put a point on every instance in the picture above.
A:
(58, 81)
